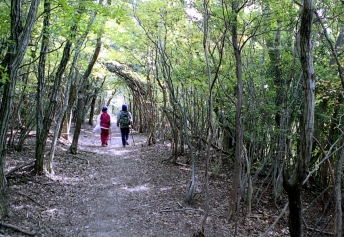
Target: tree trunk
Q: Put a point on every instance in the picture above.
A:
(235, 191)
(81, 98)
(338, 193)
(17, 114)
(20, 36)
(280, 87)
(295, 209)
(73, 149)
(40, 138)
(5, 111)
(66, 122)
(293, 184)
(61, 116)
(42, 133)
(210, 129)
(93, 105)
(338, 226)
(58, 126)
(67, 119)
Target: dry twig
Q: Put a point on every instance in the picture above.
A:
(75, 156)
(18, 168)
(17, 228)
(277, 219)
(182, 209)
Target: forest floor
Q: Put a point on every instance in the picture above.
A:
(121, 191)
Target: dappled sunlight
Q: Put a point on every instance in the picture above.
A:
(66, 180)
(165, 188)
(122, 152)
(18, 207)
(140, 188)
(50, 212)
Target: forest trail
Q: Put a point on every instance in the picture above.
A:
(114, 201)
(102, 192)
(131, 193)
(115, 191)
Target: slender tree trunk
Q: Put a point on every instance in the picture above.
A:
(49, 112)
(81, 98)
(17, 113)
(5, 111)
(40, 85)
(280, 85)
(190, 191)
(58, 124)
(338, 193)
(235, 191)
(338, 226)
(94, 100)
(84, 80)
(20, 36)
(67, 119)
(93, 105)
(210, 112)
(293, 184)
(73, 149)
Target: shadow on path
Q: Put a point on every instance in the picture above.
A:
(122, 192)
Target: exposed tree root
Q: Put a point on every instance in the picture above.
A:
(76, 156)
(18, 168)
(16, 228)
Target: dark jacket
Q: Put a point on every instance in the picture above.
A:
(119, 116)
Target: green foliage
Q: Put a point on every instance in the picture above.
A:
(5, 31)
(216, 169)
(4, 77)
(5, 20)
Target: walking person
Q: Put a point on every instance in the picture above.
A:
(105, 122)
(124, 120)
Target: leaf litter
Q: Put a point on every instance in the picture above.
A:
(119, 191)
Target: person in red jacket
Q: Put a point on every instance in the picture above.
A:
(105, 122)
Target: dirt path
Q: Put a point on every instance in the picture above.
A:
(116, 191)
(103, 191)
(122, 190)
(131, 193)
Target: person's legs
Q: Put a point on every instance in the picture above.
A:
(104, 136)
(126, 136)
(123, 136)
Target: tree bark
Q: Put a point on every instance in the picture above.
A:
(280, 101)
(293, 184)
(42, 133)
(20, 36)
(61, 116)
(235, 191)
(67, 119)
(81, 98)
(73, 149)
(338, 193)
(41, 76)
(93, 105)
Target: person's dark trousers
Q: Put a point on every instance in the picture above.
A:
(125, 135)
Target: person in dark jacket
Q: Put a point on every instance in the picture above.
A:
(123, 123)
(105, 122)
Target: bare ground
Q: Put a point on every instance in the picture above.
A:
(121, 191)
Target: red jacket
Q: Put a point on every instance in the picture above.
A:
(105, 120)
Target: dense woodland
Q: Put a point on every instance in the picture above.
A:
(247, 88)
